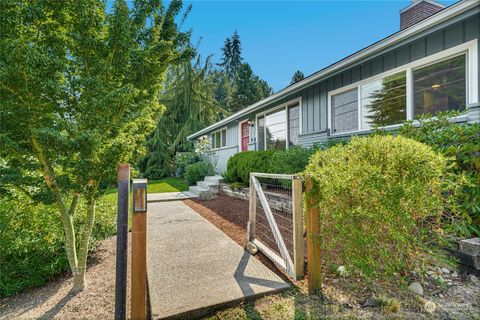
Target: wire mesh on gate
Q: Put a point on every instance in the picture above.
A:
(278, 193)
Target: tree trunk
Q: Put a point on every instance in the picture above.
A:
(79, 282)
(65, 215)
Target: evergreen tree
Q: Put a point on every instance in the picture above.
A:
(223, 88)
(297, 76)
(236, 55)
(248, 89)
(226, 63)
(191, 106)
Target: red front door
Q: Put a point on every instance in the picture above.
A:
(245, 136)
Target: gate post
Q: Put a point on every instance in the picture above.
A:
(298, 249)
(122, 241)
(252, 212)
(139, 250)
(314, 263)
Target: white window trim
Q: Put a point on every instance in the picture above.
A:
(284, 106)
(470, 49)
(226, 138)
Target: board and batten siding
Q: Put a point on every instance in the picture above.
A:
(314, 97)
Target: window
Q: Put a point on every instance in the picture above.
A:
(384, 101)
(293, 124)
(440, 86)
(276, 130)
(261, 133)
(218, 139)
(439, 82)
(345, 111)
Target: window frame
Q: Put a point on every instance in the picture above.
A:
(283, 106)
(469, 49)
(212, 140)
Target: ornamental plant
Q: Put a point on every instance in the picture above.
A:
(80, 90)
(460, 143)
(380, 200)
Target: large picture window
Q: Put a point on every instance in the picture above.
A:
(280, 128)
(218, 139)
(384, 101)
(276, 130)
(440, 86)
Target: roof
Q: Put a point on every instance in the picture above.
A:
(444, 14)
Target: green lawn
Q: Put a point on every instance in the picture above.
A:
(154, 186)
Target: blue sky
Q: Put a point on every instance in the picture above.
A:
(279, 37)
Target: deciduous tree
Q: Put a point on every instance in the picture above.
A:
(79, 90)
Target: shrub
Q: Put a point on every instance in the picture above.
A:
(292, 160)
(461, 143)
(378, 198)
(241, 164)
(183, 160)
(197, 171)
(32, 241)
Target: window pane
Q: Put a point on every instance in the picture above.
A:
(345, 111)
(212, 140)
(293, 124)
(276, 130)
(217, 139)
(261, 133)
(224, 137)
(440, 86)
(384, 101)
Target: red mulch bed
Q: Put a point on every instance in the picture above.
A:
(231, 216)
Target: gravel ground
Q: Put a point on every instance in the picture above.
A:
(54, 301)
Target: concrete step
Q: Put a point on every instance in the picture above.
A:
(212, 186)
(215, 179)
(203, 194)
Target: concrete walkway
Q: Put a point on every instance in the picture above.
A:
(194, 268)
(169, 196)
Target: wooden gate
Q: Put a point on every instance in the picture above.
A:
(275, 223)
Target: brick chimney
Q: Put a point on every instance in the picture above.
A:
(417, 11)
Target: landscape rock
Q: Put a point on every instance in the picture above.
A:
(455, 274)
(416, 288)
(429, 307)
(445, 270)
(473, 280)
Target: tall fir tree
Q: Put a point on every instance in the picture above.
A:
(226, 63)
(236, 55)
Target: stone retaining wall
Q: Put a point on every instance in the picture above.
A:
(277, 201)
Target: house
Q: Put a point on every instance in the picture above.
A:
(430, 65)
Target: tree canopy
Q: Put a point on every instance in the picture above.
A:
(80, 89)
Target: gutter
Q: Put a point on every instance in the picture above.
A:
(447, 13)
